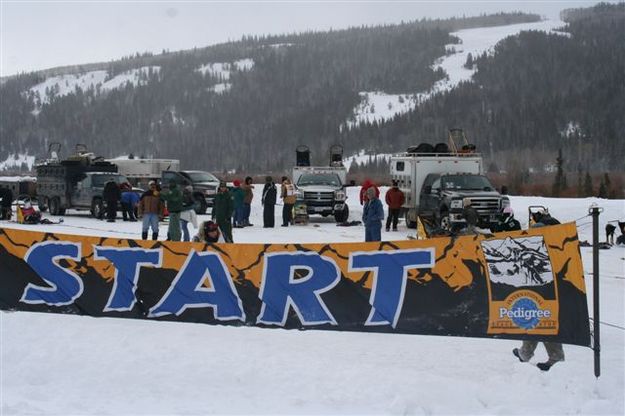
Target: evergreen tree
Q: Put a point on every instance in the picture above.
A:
(603, 190)
(588, 188)
(559, 183)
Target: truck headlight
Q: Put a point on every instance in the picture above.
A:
(340, 195)
(299, 195)
(456, 204)
(505, 202)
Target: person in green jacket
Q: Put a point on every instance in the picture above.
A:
(173, 198)
(223, 207)
(238, 196)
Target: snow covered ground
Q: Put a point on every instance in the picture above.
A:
(64, 364)
(379, 106)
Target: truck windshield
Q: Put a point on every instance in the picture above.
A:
(202, 177)
(100, 180)
(328, 179)
(466, 182)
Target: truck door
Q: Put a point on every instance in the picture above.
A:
(81, 194)
(429, 196)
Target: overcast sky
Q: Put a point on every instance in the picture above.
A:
(44, 34)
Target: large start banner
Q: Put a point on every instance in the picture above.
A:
(521, 285)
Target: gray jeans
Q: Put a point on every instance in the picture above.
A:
(554, 350)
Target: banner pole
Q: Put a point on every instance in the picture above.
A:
(595, 211)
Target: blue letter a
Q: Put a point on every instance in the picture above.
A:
(280, 288)
(187, 291)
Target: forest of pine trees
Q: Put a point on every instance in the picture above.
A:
(522, 99)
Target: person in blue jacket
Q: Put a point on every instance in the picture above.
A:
(128, 201)
(372, 216)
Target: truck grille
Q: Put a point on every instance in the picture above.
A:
(485, 206)
(318, 199)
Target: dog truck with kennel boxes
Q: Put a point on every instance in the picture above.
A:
(436, 180)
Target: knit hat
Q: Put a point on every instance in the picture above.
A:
(236, 182)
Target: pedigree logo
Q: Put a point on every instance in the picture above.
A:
(525, 309)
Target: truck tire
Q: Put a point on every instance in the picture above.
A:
(97, 208)
(200, 204)
(445, 221)
(409, 222)
(55, 206)
(342, 216)
(44, 204)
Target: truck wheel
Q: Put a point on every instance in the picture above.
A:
(200, 205)
(55, 206)
(97, 208)
(43, 204)
(445, 222)
(342, 216)
(409, 222)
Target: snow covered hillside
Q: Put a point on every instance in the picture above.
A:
(64, 364)
(379, 106)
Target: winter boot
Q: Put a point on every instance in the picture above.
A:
(546, 365)
(144, 235)
(517, 354)
(154, 236)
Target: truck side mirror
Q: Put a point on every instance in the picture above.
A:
(427, 189)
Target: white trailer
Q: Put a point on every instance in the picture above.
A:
(141, 171)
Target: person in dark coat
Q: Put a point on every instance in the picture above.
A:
(506, 222)
(173, 198)
(394, 199)
(372, 216)
(112, 195)
(223, 207)
(6, 200)
(270, 194)
(238, 195)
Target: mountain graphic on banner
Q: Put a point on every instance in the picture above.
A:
(518, 262)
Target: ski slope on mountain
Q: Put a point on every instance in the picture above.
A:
(64, 364)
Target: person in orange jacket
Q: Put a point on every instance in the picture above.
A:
(394, 199)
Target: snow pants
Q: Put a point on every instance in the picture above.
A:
(554, 350)
(393, 217)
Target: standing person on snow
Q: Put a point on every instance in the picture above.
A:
(112, 196)
(372, 216)
(394, 199)
(173, 198)
(363, 191)
(248, 195)
(238, 195)
(555, 351)
(6, 201)
(223, 207)
(150, 208)
(288, 199)
(270, 194)
(187, 215)
(129, 202)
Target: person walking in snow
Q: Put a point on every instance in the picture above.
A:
(270, 194)
(223, 207)
(288, 199)
(248, 195)
(372, 216)
(150, 208)
(555, 351)
(394, 199)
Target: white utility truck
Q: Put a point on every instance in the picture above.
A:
(436, 179)
(322, 188)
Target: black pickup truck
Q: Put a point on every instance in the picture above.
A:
(442, 196)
